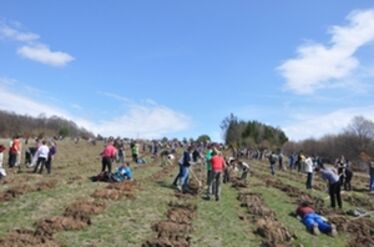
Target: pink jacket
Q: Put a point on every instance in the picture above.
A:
(109, 151)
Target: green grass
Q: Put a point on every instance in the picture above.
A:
(218, 224)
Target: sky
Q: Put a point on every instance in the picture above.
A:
(150, 69)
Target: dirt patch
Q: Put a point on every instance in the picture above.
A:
(124, 186)
(27, 238)
(237, 183)
(90, 207)
(273, 231)
(44, 185)
(255, 205)
(14, 192)
(361, 230)
(49, 226)
(108, 194)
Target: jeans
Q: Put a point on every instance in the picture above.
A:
(209, 182)
(371, 188)
(216, 184)
(41, 161)
(309, 180)
(334, 191)
(184, 178)
(311, 219)
(272, 169)
(175, 183)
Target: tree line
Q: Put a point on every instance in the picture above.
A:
(12, 124)
(251, 134)
(357, 137)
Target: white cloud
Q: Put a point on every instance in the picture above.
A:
(14, 34)
(33, 49)
(318, 66)
(318, 125)
(142, 120)
(43, 54)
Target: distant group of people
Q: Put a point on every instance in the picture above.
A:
(38, 156)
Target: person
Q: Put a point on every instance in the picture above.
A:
(280, 161)
(370, 161)
(299, 161)
(218, 165)
(208, 157)
(348, 173)
(314, 222)
(185, 162)
(2, 170)
(340, 166)
(333, 181)
(272, 161)
(51, 155)
(14, 151)
(309, 167)
(135, 152)
(108, 154)
(122, 173)
(244, 167)
(42, 156)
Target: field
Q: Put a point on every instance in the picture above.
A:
(67, 209)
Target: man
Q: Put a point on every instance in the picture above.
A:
(208, 157)
(309, 167)
(185, 163)
(272, 160)
(42, 156)
(313, 221)
(218, 165)
(334, 185)
(244, 167)
(51, 155)
(108, 154)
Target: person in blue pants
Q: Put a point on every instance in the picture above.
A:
(314, 222)
(186, 162)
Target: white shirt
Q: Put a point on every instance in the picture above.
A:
(43, 151)
(308, 165)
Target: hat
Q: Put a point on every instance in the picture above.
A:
(2, 148)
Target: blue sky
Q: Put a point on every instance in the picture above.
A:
(177, 68)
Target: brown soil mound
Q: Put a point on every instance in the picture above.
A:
(90, 207)
(362, 230)
(180, 215)
(273, 231)
(109, 194)
(255, 205)
(167, 228)
(167, 242)
(44, 185)
(237, 183)
(124, 186)
(26, 238)
(14, 192)
(49, 226)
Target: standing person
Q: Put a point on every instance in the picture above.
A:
(370, 161)
(13, 151)
(2, 170)
(218, 165)
(300, 160)
(208, 158)
(272, 161)
(108, 154)
(334, 185)
(42, 156)
(309, 167)
(135, 152)
(186, 162)
(348, 176)
(291, 161)
(51, 155)
(280, 161)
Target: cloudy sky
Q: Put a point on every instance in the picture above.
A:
(177, 68)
